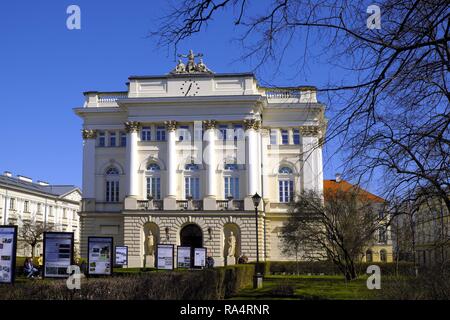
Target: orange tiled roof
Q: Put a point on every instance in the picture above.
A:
(333, 186)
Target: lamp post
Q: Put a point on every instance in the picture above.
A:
(257, 278)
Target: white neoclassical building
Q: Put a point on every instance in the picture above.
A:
(24, 200)
(177, 157)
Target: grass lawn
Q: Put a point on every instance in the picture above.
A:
(309, 287)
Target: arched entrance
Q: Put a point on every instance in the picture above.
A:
(191, 236)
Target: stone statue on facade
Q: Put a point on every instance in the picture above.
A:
(150, 244)
(190, 66)
(231, 245)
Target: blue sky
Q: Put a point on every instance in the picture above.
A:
(44, 68)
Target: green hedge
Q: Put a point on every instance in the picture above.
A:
(209, 284)
(328, 268)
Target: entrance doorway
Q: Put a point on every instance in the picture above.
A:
(191, 236)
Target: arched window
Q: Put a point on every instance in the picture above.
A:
(383, 255)
(153, 178)
(285, 184)
(369, 256)
(191, 181)
(112, 185)
(231, 181)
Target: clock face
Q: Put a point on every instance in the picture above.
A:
(189, 88)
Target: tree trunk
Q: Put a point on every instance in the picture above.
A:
(32, 251)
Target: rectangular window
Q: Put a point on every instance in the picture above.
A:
(273, 136)
(39, 208)
(101, 139)
(296, 136)
(64, 213)
(183, 133)
(123, 139)
(26, 206)
(192, 187)
(284, 137)
(286, 190)
(231, 187)
(50, 211)
(382, 235)
(238, 132)
(223, 128)
(146, 134)
(154, 187)
(112, 139)
(112, 191)
(12, 204)
(161, 133)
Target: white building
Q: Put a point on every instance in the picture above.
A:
(56, 206)
(178, 157)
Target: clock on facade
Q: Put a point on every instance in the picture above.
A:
(189, 88)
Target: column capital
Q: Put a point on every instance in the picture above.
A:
(252, 124)
(132, 126)
(209, 124)
(89, 134)
(171, 125)
(309, 131)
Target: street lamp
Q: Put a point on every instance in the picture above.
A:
(257, 279)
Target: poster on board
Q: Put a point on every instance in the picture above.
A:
(199, 257)
(164, 256)
(100, 259)
(121, 256)
(58, 254)
(8, 248)
(183, 257)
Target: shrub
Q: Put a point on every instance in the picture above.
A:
(215, 283)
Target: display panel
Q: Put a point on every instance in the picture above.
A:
(121, 256)
(164, 256)
(58, 253)
(199, 257)
(8, 248)
(100, 251)
(183, 257)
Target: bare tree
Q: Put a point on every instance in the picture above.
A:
(339, 229)
(389, 103)
(32, 233)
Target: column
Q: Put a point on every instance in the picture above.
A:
(251, 126)
(209, 203)
(132, 129)
(170, 200)
(312, 158)
(89, 140)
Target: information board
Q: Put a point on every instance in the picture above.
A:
(121, 256)
(58, 254)
(199, 257)
(8, 248)
(164, 256)
(100, 250)
(183, 257)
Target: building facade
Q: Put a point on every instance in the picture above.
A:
(380, 248)
(55, 206)
(176, 159)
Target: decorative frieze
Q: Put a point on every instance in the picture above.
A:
(171, 125)
(309, 131)
(209, 124)
(252, 124)
(132, 126)
(89, 134)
